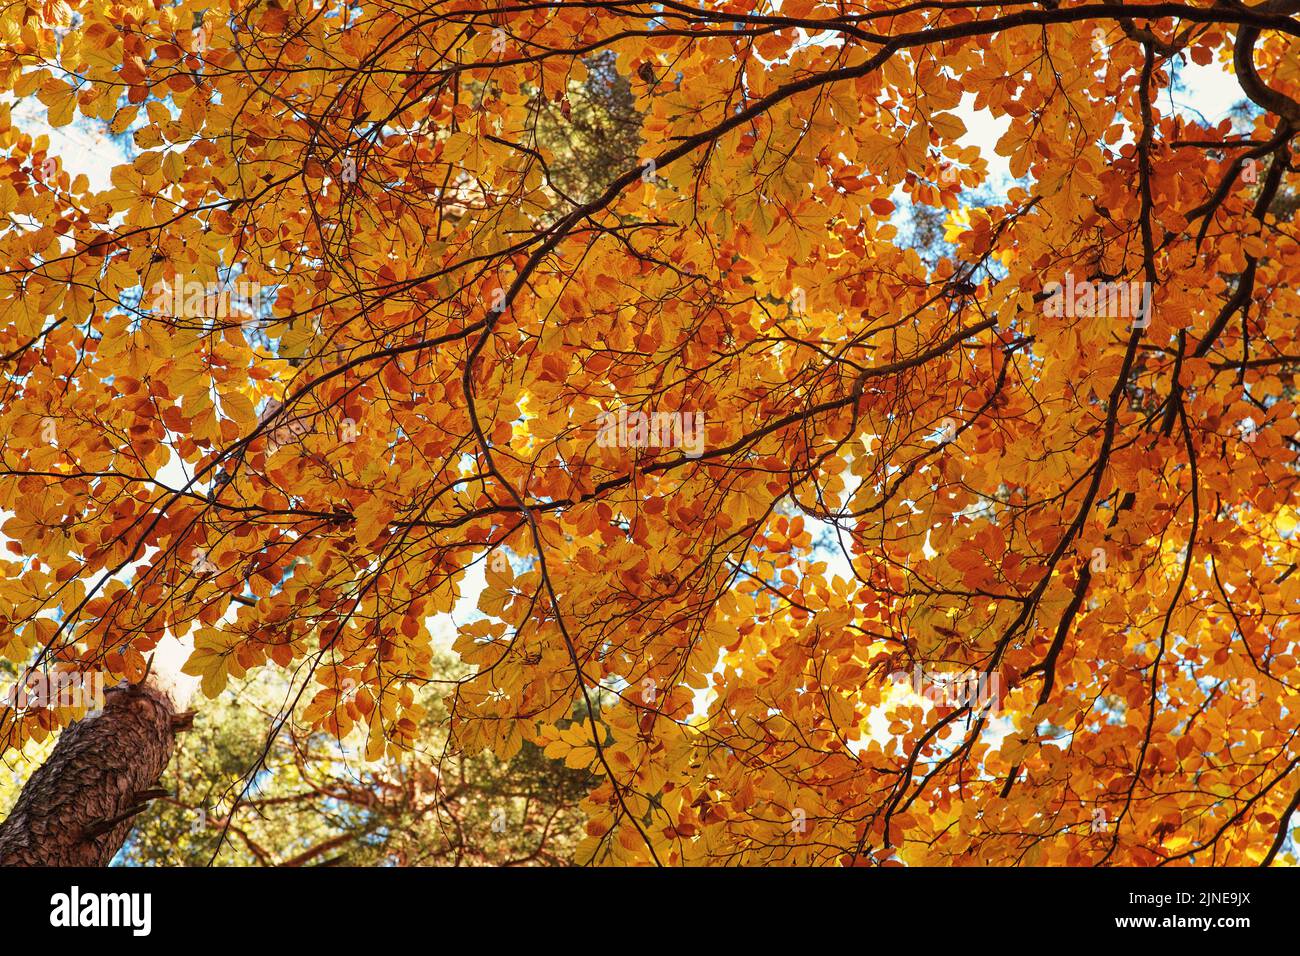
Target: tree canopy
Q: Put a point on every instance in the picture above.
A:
(608, 302)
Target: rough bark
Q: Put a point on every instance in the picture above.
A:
(79, 806)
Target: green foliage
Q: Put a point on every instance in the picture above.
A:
(313, 802)
(592, 133)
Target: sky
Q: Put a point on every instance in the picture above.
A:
(1207, 94)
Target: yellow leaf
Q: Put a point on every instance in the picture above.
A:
(124, 118)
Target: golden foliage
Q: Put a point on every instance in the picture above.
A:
(453, 364)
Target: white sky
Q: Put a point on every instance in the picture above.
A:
(1208, 93)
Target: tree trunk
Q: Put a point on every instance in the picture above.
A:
(79, 806)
